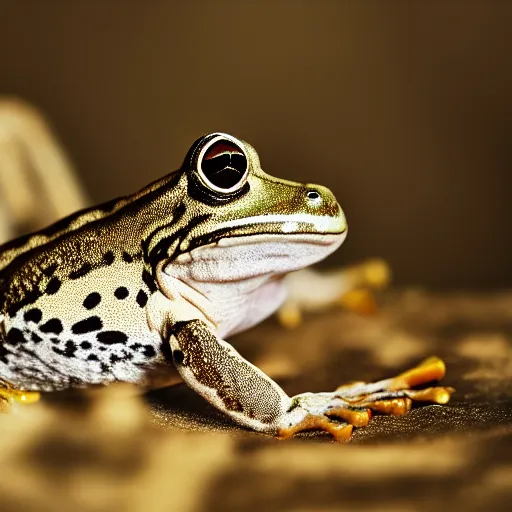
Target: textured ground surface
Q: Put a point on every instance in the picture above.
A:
(110, 451)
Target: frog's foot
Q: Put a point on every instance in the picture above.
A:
(5, 405)
(352, 405)
(359, 300)
(373, 273)
(350, 287)
(289, 315)
(369, 275)
(8, 395)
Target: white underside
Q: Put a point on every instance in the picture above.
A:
(237, 282)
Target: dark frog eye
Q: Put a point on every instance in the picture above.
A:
(222, 164)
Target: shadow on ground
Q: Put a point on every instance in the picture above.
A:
(111, 450)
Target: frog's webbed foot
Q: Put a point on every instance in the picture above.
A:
(352, 405)
(9, 395)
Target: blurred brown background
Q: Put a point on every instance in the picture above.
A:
(404, 109)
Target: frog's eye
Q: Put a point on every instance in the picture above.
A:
(222, 164)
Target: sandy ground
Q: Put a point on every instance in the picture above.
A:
(170, 451)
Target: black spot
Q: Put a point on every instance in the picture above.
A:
(69, 351)
(111, 337)
(3, 354)
(108, 257)
(50, 270)
(36, 338)
(15, 336)
(127, 257)
(162, 248)
(81, 272)
(114, 358)
(56, 341)
(33, 315)
(103, 349)
(178, 356)
(53, 286)
(136, 346)
(165, 349)
(149, 281)
(149, 351)
(121, 293)
(92, 357)
(92, 300)
(93, 323)
(54, 326)
(105, 368)
(142, 298)
(86, 345)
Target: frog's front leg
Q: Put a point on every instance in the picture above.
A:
(215, 370)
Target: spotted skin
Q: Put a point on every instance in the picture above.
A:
(188, 354)
(152, 283)
(82, 344)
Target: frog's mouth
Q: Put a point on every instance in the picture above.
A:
(286, 223)
(318, 229)
(241, 256)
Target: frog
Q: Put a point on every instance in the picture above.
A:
(146, 288)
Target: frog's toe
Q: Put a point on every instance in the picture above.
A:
(289, 316)
(400, 402)
(357, 416)
(392, 406)
(5, 405)
(323, 411)
(8, 395)
(352, 405)
(339, 430)
(395, 396)
(430, 370)
(359, 300)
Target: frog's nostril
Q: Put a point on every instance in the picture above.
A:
(313, 195)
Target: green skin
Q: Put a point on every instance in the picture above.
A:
(150, 284)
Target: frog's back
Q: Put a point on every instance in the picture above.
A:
(14, 249)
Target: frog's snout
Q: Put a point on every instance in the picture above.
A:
(322, 202)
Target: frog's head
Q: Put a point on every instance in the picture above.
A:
(236, 221)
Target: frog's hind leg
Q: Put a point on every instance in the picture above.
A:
(9, 395)
(352, 287)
